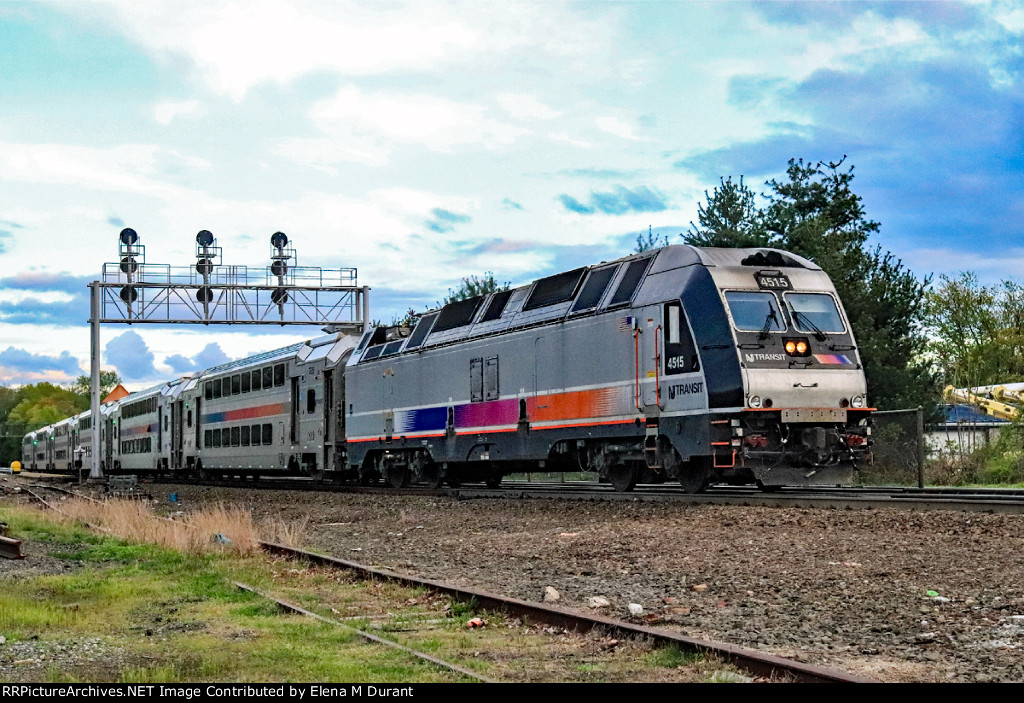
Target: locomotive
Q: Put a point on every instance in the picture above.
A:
(687, 364)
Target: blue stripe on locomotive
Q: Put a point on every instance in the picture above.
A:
(422, 420)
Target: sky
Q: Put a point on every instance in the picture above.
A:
(423, 142)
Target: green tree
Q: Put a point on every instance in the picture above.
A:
(730, 218)
(651, 241)
(815, 213)
(976, 332)
(83, 384)
(473, 286)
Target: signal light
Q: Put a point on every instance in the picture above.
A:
(129, 236)
(279, 268)
(279, 296)
(129, 294)
(204, 294)
(129, 265)
(204, 267)
(279, 240)
(204, 238)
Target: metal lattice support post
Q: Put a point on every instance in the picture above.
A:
(366, 308)
(94, 327)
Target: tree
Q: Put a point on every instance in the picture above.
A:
(976, 332)
(730, 218)
(473, 286)
(651, 241)
(815, 213)
(83, 384)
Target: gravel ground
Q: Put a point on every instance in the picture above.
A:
(847, 589)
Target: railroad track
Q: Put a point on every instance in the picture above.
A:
(1010, 501)
(753, 661)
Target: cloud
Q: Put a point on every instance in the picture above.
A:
(41, 298)
(209, 356)
(364, 127)
(919, 132)
(165, 112)
(279, 41)
(526, 107)
(131, 356)
(445, 221)
(617, 127)
(617, 202)
(511, 204)
(21, 360)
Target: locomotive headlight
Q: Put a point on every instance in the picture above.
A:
(755, 401)
(801, 347)
(858, 401)
(790, 347)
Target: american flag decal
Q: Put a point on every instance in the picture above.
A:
(626, 324)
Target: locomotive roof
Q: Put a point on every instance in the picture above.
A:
(588, 289)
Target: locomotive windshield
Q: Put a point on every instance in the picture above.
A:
(814, 312)
(755, 311)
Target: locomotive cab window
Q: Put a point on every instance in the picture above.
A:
(815, 310)
(755, 311)
(680, 351)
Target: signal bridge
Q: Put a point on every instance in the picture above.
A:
(133, 291)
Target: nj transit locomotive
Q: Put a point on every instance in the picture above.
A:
(685, 364)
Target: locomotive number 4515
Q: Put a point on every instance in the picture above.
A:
(773, 282)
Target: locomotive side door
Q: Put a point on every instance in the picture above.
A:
(648, 359)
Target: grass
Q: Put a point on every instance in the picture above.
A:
(158, 614)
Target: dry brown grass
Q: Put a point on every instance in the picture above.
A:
(289, 533)
(195, 533)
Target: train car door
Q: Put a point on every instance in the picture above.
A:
(177, 433)
(108, 446)
(328, 419)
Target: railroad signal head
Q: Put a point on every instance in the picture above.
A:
(204, 238)
(279, 268)
(279, 240)
(204, 294)
(204, 267)
(129, 236)
(129, 265)
(280, 295)
(129, 294)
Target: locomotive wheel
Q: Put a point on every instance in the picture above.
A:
(695, 475)
(493, 479)
(622, 476)
(396, 476)
(431, 476)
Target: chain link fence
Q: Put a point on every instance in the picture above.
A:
(899, 453)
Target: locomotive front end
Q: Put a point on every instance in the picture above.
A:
(805, 418)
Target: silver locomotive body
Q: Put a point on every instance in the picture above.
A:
(645, 368)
